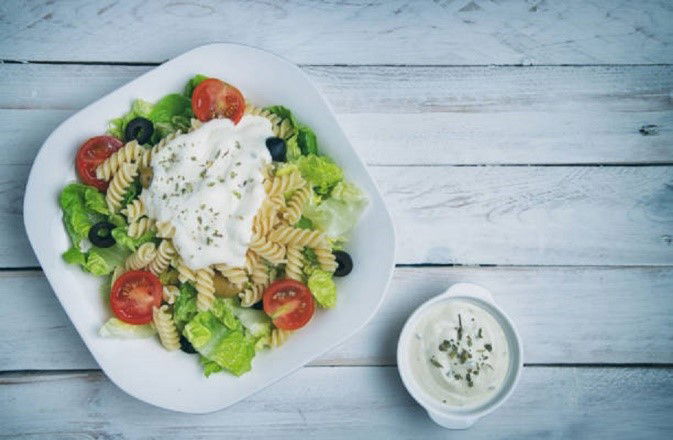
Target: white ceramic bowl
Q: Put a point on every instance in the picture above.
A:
(143, 368)
(438, 412)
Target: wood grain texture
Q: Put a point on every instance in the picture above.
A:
(486, 215)
(354, 32)
(564, 315)
(346, 402)
(441, 115)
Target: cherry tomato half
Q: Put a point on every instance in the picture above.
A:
(215, 98)
(289, 303)
(91, 154)
(133, 296)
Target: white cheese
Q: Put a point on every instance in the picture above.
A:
(208, 184)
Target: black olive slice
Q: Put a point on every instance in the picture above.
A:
(139, 129)
(344, 262)
(277, 149)
(100, 235)
(186, 346)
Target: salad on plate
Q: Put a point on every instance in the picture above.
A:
(218, 226)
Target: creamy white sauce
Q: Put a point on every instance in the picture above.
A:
(208, 184)
(459, 353)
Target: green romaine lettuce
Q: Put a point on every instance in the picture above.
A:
(256, 322)
(102, 261)
(320, 172)
(338, 213)
(120, 234)
(184, 308)
(209, 367)
(323, 288)
(94, 200)
(77, 217)
(230, 349)
(74, 256)
(115, 328)
(302, 140)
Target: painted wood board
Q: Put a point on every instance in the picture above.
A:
(346, 402)
(354, 32)
(565, 315)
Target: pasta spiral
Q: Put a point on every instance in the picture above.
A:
(285, 234)
(140, 226)
(134, 210)
(295, 205)
(256, 269)
(119, 184)
(280, 184)
(165, 253)
(252, 295)
(184, 272)
(171, 293)
(205, 289)
(281, 127)
(273, 252)
(278, 337)
(131, 152)
(236, 275)
(295, 261)
(326, 259)
(165, 230)
(141, 257)
(265, 219)
(168, 333)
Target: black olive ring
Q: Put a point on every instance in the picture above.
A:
(100, 235)
(139, 129)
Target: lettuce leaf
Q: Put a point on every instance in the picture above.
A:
(102, 261)
(115, 328)
(209, 367)
(77, 218)
(192, 83)
(74, 256)
(302, 141)
(120, 234)
(230, 349)
(132, 193)
(337, 214)
(322, 286)
(169, 106)
(306, 140)
(94, 200)
(256, 322)
(320, 172)
(184, 308)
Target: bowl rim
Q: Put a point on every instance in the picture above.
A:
(31, 224)
(482, 298)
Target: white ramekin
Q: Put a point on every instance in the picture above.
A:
(453, 418)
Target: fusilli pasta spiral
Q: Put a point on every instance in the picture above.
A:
(119, 184)
(295, 261)
(273, 252)
(236, 275)
(141, 257)
(252, 295)
(280, 184)
(165, 253)
(256, 269)
(285, 234)
(205, 289)
(295, 205)
(134, 210)
(131, 152)
(184, 272)
(326, 259)
(140, 226)
(278, 337)
(265, 219)
(168, 333)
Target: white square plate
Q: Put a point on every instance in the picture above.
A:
(142, 368)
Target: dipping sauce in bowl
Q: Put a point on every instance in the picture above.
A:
(458, 353)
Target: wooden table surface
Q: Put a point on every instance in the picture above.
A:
(523, 145)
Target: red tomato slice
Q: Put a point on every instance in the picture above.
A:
(214, 98)
(91, 154)
(289, 303)
(133, 296)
